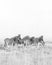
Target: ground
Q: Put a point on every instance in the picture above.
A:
(27, 56)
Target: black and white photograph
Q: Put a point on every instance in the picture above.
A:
(25, 32)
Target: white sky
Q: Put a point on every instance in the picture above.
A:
(26, 17)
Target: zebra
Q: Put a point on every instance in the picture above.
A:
(37, 40)
(12, 41)
(40, 39)
(8, 42)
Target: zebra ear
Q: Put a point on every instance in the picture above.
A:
(41, 37)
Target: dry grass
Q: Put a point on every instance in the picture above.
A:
(27, 56)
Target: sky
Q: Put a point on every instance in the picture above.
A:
(26, 17)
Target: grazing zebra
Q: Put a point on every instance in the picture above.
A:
(17, 39)
(8, 42)
(41, 40)
(37, 40)
(26, 40)
(12, 41)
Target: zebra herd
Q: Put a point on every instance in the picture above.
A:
(17, 40)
